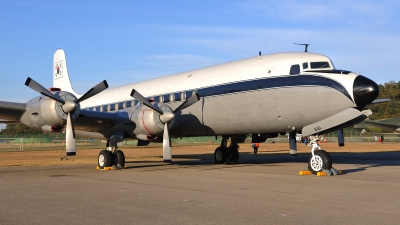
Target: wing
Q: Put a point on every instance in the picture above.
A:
(91, 121)
(11, 112)
(386, 126)
(101, 122)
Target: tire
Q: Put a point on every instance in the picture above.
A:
(321, 160)
(119, 159)
(235, 153)
(105, 159)
(220, 155)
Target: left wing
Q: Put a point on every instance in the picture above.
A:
(11, 112)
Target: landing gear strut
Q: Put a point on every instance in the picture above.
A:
(224, 152)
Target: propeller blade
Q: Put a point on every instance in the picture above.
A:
(39, 88)
(136, 95)
(94, 91)
(188, 102)
(167, 152)
(70, 137)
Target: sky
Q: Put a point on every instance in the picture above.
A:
(130, 41)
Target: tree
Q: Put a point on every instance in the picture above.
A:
(389, 109)
(19, 128)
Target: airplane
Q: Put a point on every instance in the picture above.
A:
(383, 126)
(261, 96)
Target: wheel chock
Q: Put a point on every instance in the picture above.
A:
(320, 174)
(305, 172)
(110, 168)
(105, 168)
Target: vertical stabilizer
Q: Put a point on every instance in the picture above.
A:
(60, 73)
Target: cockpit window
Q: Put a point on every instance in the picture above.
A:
(295, 69)
(305, 66)
(320, 65)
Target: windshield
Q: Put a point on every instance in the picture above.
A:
(320, 65)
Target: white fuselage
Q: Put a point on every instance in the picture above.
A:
(254, 95)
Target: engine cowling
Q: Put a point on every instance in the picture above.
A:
(44, 112)
(148, 121)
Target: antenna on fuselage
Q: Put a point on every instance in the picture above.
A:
(305, 50)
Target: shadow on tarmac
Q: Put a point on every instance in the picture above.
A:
(365, 160)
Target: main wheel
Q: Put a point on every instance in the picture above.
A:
(321, 160)
(220, 155)
(119, 159)
(105, 159)
(234, 153)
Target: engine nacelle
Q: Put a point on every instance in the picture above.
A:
(148, 121)
(44, 112)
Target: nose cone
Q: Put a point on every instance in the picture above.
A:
(364, 91)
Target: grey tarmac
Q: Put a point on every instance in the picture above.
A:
(263, 189)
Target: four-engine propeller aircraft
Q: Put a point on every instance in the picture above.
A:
(262, 96)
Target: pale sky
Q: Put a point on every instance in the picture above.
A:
(129, 41)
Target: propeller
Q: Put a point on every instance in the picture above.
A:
(166, 117)
(68, 106)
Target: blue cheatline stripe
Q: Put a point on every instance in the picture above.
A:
(260, 84)
(274, 82)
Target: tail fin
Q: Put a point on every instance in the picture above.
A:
(60, 73)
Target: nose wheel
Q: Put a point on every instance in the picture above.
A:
(321, 160)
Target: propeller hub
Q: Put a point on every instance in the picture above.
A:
(167, 116)
(69, 106)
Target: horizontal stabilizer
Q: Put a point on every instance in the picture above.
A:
(333, 121)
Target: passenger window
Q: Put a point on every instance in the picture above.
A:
(104, 108)
(305, 66)
(112, 107)
(166, 98)
(177, 97)
(189, 94)
(120, 105)
(295, 69)
(128, 104)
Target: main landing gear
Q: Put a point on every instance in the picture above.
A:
(320, 160)
(224, 152)
(111, 157)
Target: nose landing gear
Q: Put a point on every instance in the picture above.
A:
(320, 160)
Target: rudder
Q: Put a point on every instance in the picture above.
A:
(60, 73)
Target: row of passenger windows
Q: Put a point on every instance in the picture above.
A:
(162, 98)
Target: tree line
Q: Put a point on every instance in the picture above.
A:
(385, 110)
(389, 109)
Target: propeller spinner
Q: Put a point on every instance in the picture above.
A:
(69, 107)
